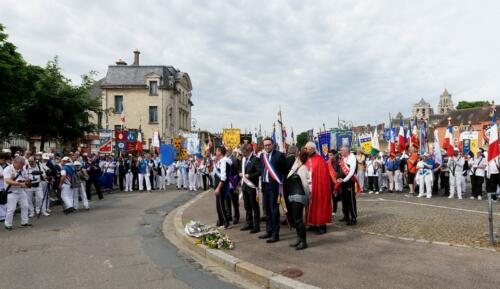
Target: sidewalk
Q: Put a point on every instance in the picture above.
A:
(357, 258)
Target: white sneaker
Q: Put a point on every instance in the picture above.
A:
(31, 215)
(49, 211)
(428, 197)
(472, 198)
(376, 193)
(45, 214)
(479, 198)
(450, 197)
(370, 192)
(459, 198)
(419, 196)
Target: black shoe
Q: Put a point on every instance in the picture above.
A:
(265, 236)
(254, 231)
(273, 240)
(246, 227)
(226, 225)
(26, 225)
(302, 245)
(343, 220)
(351, 223)
(322, 230)
(294, 244)
(312, 228)
(8, 228)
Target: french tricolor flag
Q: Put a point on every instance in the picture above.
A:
(493, 148)
(401, 137)
(448, 141)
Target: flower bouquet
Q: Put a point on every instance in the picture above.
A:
(214, 239)
(196, 229)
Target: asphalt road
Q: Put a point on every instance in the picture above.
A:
(117, 244)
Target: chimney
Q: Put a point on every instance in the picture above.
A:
(121, 62)
(136, 57)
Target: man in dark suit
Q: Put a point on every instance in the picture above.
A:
(271, 188)
(249, 173)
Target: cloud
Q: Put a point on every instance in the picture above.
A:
(318, 60)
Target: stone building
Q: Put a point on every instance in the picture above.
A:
(445, 104)
(153, 97)
(422, 109)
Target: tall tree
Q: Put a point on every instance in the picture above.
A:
(59, 110)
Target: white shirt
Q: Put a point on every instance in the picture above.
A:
(351, 162)
(221, 168)
(371, 168)
(456, 164)
(493, 166)
(9, 173)
(479, 166)
(265, 176)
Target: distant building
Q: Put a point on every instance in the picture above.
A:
(153, 97)
(423, 109)
(445, 104)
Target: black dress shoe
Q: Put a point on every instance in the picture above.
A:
(321, 230)
(272, 240)
(265, 236)
(246, 227)
(254, 231)
(312, 228)
(301, 246)
(343, 220)
(26, 225)
(352, 223)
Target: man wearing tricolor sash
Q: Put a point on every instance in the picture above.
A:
(348, 182)
(273, 165)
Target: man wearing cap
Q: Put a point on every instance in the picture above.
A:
(479, 165)
(67, 171)
(457, 179)
(16, 180)
(79, 189)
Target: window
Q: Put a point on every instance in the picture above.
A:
(153, 88)
(153, 114)
(118, 103)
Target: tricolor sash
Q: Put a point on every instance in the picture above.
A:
(345, 170)
(272, 172)
(243, 178)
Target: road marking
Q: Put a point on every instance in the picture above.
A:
(429, 205)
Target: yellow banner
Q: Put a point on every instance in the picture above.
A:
(231, 137)
(366, 143)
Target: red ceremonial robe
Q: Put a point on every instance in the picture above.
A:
(320, 205)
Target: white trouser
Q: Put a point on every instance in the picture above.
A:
(457, 183)
(157, 180)
(185, 180)
(169, 177)
(199, 181)
(179, 180)
(38, 193)
(80, 191)
(425, 181)
(3, 211)
(361, 180)
(192, 181)
(12, 200)
(398, 181)
(161, 182)
(392, 178)
(141, 182)
(67, 196)
(128, 181)
(46, 196)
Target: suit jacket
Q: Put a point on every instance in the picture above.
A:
(278, 162)
(252, 169)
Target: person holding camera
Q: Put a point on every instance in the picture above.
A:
(16, 179)
(36, 175)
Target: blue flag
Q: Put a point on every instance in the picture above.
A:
(167, 154)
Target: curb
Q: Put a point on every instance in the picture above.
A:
(252, 272)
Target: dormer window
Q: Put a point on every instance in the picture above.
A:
(153, 88)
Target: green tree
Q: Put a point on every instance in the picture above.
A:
(301, 139)
(17, 85)
(59, 110)
(471, 104)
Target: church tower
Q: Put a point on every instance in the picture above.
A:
(445, 103)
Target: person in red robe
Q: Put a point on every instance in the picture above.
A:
(320, 205)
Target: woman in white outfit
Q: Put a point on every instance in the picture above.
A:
(192, 175)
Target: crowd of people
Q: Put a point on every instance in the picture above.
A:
(302, 181)
(267, 181)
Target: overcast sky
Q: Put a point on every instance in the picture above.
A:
(319, 60)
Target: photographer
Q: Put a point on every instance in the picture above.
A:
(16, 179)
(35, 175)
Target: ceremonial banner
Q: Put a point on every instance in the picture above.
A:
(387, 133)
(192, 143)
(156, 139)
(344, 138)
(470, 142)
(324, 144)
(105, 141)
(120, 140)
(231, 137)
(167, 154)
(365, 142)
(131, 136)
